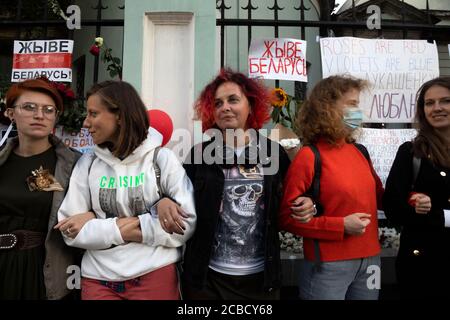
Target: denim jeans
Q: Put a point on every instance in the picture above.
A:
(340, 280)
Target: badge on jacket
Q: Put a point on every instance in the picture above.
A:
(42, 180)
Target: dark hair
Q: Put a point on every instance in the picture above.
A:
(40, 85)
(429, 143)
(256, 93)
(122, 99)
(319, 118)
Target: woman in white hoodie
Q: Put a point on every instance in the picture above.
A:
(128, 253)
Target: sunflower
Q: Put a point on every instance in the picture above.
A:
(279, 97)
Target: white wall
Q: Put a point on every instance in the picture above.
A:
(168, 66)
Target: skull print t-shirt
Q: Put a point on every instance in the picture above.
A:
(239, 240)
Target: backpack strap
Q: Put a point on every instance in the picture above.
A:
(157, 171)
(314, 191)
(365, 153)
(94, 156)
(363, 150)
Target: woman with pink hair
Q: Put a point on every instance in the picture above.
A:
(237, 177)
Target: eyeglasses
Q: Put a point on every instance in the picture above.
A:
(30, 109)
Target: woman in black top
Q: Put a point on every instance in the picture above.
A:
(421, 204)
(237, 177)
(34, 173)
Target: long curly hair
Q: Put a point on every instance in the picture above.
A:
(256, 93)
(320, 118)
(430, 143)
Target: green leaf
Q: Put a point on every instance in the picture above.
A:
(285, 123)
(116, 60)
(113, 73)
(276, 114)
(298, 105)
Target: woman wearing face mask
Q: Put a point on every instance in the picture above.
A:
(35, 169)
(420, 202)
(340, 243)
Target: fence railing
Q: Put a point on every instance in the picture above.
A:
(46, 21)
(327, 24)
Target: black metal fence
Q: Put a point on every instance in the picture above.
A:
(35, 19)
(352, 21)
(23, 15)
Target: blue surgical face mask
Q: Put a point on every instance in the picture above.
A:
(353, 117)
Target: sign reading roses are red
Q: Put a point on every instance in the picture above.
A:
(278, 58)
(50, 58)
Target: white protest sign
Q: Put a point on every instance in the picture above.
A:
(278, 58)
(81, 141)
(382, 145)
(49, 58)
(395, 69)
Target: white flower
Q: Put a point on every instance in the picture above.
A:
(389, 237)
(99, 41)
(289, 143)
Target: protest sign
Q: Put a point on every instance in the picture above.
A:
(49, 58)
(278, 58)
(382, 145)
(395, 69)
(81, 141)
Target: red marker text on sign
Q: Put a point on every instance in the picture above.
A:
(289, 49)
(270, 65)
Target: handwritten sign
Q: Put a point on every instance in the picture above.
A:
(81, 141)
(277, 58)
(382, 145)
(395, 69)
(50, 58)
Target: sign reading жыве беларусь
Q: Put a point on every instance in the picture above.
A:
(49, 58)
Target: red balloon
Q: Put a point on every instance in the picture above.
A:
(161, 121)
